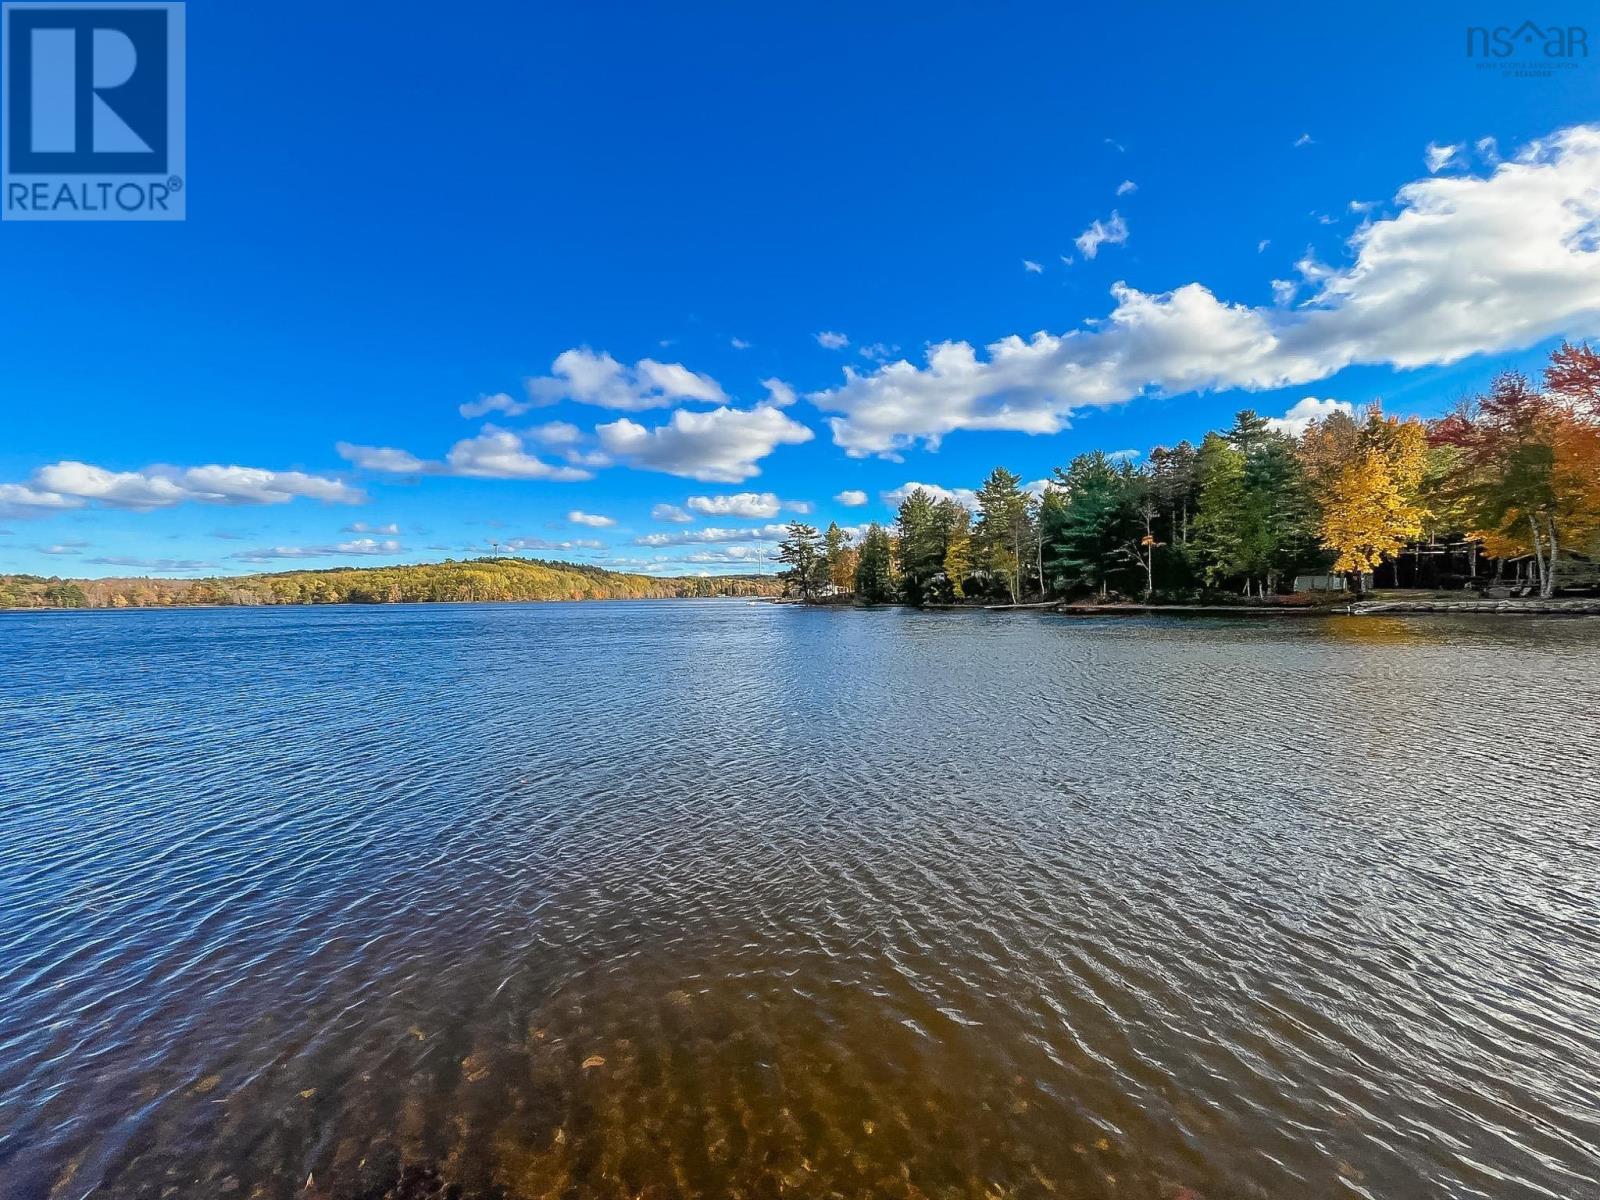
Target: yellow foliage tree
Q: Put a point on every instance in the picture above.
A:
(1366, 518)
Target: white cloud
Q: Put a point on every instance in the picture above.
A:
(1465, 266)
(1488, 150)
(360, 546)
(73, 484)
(1295, 421)
(1123, 455)
(745, 504)
(15, 497)
(593, 520)
(1262, 245)
(588, 377)
(1032, 267)
(1111, 232)
(1127, 186)
(160, 566)
(555, 433)
(363, 527)
(713, 535)
(499, 454)
(1439, 157)
(739, 343)
(878, 352)
(63, 548)
(568, 546)
(779, 393)
(965, 497)
(1283, 290)
(1303, 140)
(851, 498)
(671, 512)
(723, 445)
(832, 341)
(380, 458)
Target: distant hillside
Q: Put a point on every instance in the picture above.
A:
(475, 579)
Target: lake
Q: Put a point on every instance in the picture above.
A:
(727, 899)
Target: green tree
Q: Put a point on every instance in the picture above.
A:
(802, 550)
(1003, 536)
(1222, 518)
(1091, 538)
(921, 546)
(875, 567)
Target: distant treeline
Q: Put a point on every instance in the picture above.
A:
(474, 579)
(1506, 486)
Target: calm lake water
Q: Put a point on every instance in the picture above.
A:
(720, 899)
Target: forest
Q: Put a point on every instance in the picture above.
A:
(473, 579)
(1502, 491)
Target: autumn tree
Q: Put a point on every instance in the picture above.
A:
(839, 557)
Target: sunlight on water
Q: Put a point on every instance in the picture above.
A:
(719, 899)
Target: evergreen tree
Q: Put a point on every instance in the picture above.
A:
(1003, 537)
(1092, 538)
(875, 567)
(1221, 518)
(921, 546)
(803, 552)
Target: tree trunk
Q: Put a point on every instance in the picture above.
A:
(1549, 588)
(1538, 552)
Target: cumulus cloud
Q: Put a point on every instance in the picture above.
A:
(739, 343)
(878, 352)
(829, 340)
(357, 527)
(1127, 186)
(1295, 421)
(1466, 265)
(851, 498)
(555, 433)
(723, 445)
(73, 484)
(713, 535)
(593, 520)
(500, 454)
(779, 393)
(1303, 140)
(380, 458)
(745, 504)
(1032, 267)
(588, 377)
(671, 512)
(1111, 232)
(965, 497)
(1439, 157)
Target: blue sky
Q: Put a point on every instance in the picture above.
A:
(393, 216)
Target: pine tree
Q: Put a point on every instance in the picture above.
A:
(875, 567)
(802, 551)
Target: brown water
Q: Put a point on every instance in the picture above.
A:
(718, 899)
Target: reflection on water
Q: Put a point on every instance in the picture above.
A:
(718, 899)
